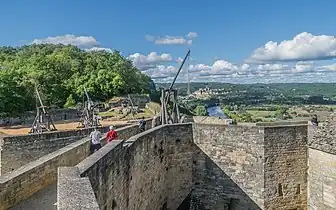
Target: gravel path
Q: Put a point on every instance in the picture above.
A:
(43, 200)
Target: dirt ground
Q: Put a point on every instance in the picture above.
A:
(21, 130)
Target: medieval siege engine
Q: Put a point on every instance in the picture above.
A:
(89, 117)
(169, 97)
(43, 121)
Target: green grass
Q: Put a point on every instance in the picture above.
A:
(146, 114)
(154, 106)
(109, 114)
(260, 114)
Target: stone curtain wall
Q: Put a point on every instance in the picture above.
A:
(285, 167)
(322, 165)
(34, 176)
(16, 151)
(28, 117)
(228, 167)
(261, 166)
(322, 180)
(152, 170)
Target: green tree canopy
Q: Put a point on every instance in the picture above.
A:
(201, 111)
(61, 72)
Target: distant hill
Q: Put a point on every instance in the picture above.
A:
(297, 89)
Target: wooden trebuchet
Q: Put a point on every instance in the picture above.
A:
(169, 97)
(89, 117)
(43, 121)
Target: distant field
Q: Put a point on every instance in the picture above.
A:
(115, 114)
(298, 113)
(261, 113)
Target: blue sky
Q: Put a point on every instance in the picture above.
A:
(228, 38)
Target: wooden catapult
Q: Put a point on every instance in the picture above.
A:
(43, 121)
(169, 97)
(89, 117)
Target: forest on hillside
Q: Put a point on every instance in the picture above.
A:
(60, 73)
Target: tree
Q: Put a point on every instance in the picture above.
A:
(70, 102)
(201, 111)
(61, 72)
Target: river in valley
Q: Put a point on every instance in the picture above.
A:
(216, 111)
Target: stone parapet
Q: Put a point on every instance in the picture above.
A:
(74, 192)
(151, 170)
(36, 175)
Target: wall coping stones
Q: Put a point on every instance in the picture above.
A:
(74, 192)
(61, 131)
(282, 123)
(262, 124)
(98, 155)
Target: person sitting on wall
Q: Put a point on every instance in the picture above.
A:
(111, 135)
(314, 120)
(95, 140)
(155, 121)
(142, 124)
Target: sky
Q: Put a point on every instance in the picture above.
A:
(259, 41)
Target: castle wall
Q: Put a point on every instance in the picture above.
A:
(28, 117)
(228, 167)
(322, 180)
(322, 167)
(257, 166)
(285, 167)
(16, 151)
(34, 176)
(151, 170)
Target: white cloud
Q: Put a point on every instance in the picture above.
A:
(149, 61)
(302, 47)
(172, 40)
(99, 49)
(80, 41)
(161, 71)
(301, 67)
(331, 67)
(191, 35)
(224, 71)
(179, 60)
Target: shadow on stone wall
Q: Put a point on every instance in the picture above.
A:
(213, 189)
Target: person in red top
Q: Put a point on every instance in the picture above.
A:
(111, 135)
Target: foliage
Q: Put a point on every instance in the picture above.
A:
(237, 116)
(200, 111)
(61, 72)
(70, 102)
(282, 113)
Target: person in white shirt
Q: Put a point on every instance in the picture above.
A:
(95, 140)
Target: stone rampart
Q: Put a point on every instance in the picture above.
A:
(28, 117)
(211, 120)
(16, 151)
(34, 176)
(152, 170)
(250, 167)
(321, 180)
(285, 167)
(322, 165)
(228, 167)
